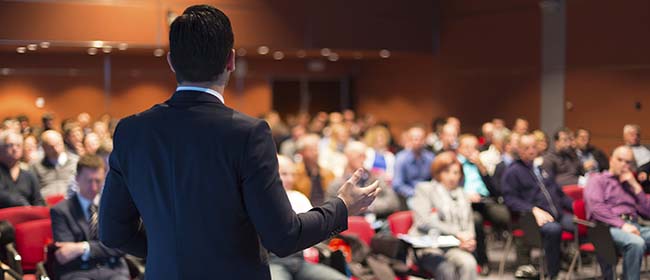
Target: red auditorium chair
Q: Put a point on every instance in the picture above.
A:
(573, 191)
(21, 214)
(359, 227)
(31, 239)
(400, 222)
(54, 199)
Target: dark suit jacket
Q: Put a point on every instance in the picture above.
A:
(69, 224)
(204, 179)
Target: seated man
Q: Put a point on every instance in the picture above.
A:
(80, 255)
(592, 158)
(563, 163)
(632, 138)
(614, 197)
(411, 165)
(311, 178)
(56, 171)
(527, 188)
(480, 192)
(294, 266)
(18, 187)
(386, 202)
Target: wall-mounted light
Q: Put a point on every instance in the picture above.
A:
(333, 57)
(21, 49)
(107, 49)
(92, 51)
(278, 55)
(122, 46)
(384, 53)
(263, 50)
(325, 52)
(242, 52)
(158, 52)
(301, 53)
(45, 45)
(32, 47)
(40, 102)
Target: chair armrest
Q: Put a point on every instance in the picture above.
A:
(584, 222)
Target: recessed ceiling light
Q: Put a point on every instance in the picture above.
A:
(263, 50)
(384, 53)
(45, 45)
(325, 52)
(158, 52)
(107, 49)
(122, 46)
(333, 57)
(32, 47)
(92, 51)
(21, 49)
(278, 55)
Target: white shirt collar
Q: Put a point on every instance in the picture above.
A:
(202, 89)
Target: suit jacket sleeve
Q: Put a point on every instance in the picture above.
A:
(280, 229)
(119, 220)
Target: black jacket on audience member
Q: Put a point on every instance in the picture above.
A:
(204, 178)
(69, 224)
(24, 191)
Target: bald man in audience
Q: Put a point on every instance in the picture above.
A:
(294, 267)
(18, 187)
(56, 172)
(386, 202)
(412, 165)
(616, 198)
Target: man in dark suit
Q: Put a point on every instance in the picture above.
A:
(202, 179)
(79, 253)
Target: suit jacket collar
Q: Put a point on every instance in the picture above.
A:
(192, 97)
(78, 214)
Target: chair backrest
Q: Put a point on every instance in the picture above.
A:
(31, 239)
(361, 228)
(603, 242)
(573, 191)
(581, 213)
(21, 214)
(54, 199)
(400, 222)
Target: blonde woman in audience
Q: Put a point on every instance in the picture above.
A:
(452, 216)
(379, 160)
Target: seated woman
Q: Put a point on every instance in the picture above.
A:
(452, 216)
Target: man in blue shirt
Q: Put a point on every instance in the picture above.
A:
(412, 165)
(478, 187)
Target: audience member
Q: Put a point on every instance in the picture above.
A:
(73, 136)
(615, 198)
(91, 143)
(386, 202)
(25, 126)
(79, 253)
(48, 122)
(452, 216)
(288, 146)
(562, 163)
(487, 132)
(18, 187)
(520, 127)
(448, 138)
(83, 120)
(379, 160)
(541, 142)
(31, 152)
(632, 138)
(433, 138)
(492, 156)
(528, 188)
(478, 188)
(508, 156)
(412, 165)
(455, 122)
(331, 148)
(56, 171)
(311, 179)
(592, 158)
